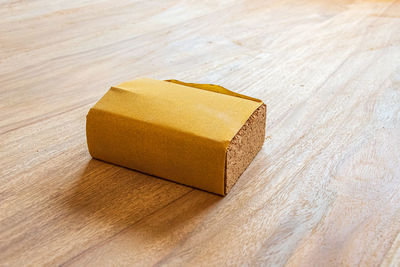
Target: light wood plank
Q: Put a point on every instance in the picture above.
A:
(323, 191)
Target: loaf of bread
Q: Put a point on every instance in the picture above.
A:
(199, 135)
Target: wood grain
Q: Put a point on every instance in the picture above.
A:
(323, 191)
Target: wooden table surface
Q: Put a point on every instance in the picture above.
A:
(323, 191)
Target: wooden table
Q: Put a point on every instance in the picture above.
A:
(324, 190)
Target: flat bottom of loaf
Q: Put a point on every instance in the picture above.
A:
(244, 147)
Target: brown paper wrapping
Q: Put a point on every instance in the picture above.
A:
(169, 129)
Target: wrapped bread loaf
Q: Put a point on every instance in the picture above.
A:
(198, 135)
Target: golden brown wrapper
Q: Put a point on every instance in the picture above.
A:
(174, 130)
